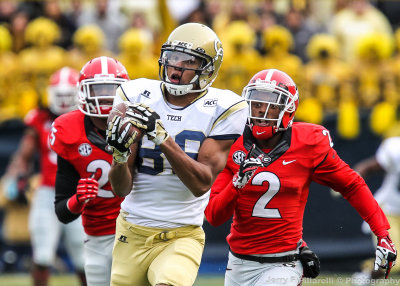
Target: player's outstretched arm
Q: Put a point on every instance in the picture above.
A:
(198, 176)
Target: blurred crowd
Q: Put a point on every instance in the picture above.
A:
(344, 55)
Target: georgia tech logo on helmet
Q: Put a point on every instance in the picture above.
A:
(218, 49)
(238, 157)
(85, 149)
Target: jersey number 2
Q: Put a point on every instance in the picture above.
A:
(260, 208)
(104, 167)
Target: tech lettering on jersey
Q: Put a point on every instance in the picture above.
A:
(171, 117)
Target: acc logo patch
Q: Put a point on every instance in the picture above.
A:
(238, 157)
(182, 44)
(85, 149)
(210, 102)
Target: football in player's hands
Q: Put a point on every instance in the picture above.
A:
(121, 126)
(148, 120)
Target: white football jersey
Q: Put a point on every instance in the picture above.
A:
(158, 197)
(388, 156)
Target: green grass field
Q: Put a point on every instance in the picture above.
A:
(70, 280)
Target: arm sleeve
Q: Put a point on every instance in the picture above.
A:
(222, 199)
(334, 172)
(66, 182)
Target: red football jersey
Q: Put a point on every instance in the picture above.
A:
(75, 140)
(41, 120)
(268, 211)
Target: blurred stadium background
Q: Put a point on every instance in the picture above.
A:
(343, 54)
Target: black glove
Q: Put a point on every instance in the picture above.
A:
(310, 262)
(148, 120)
(119, 143)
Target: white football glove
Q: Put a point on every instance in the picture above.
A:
(148, 120)
(386, 254)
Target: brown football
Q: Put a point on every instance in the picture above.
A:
(120, 110)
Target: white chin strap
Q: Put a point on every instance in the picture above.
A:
(180, 89)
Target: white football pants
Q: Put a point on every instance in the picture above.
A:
(46, 230)
(241, 272)
(98, 259)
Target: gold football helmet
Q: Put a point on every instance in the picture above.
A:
(188, 43)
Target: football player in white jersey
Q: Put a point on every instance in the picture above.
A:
(387, 160)
(167, 175)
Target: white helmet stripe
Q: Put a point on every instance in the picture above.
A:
(64, 75)
(104, 65)
(269, 74)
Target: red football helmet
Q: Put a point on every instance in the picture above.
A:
(272, 87)
(62, 91)
(98, 81)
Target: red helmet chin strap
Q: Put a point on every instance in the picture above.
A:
(263, 132)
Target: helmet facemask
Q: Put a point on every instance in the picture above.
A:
(98, 81)
(62, 91)
(182, 61)
(96, 95)
(62, 99)
(270, 96)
